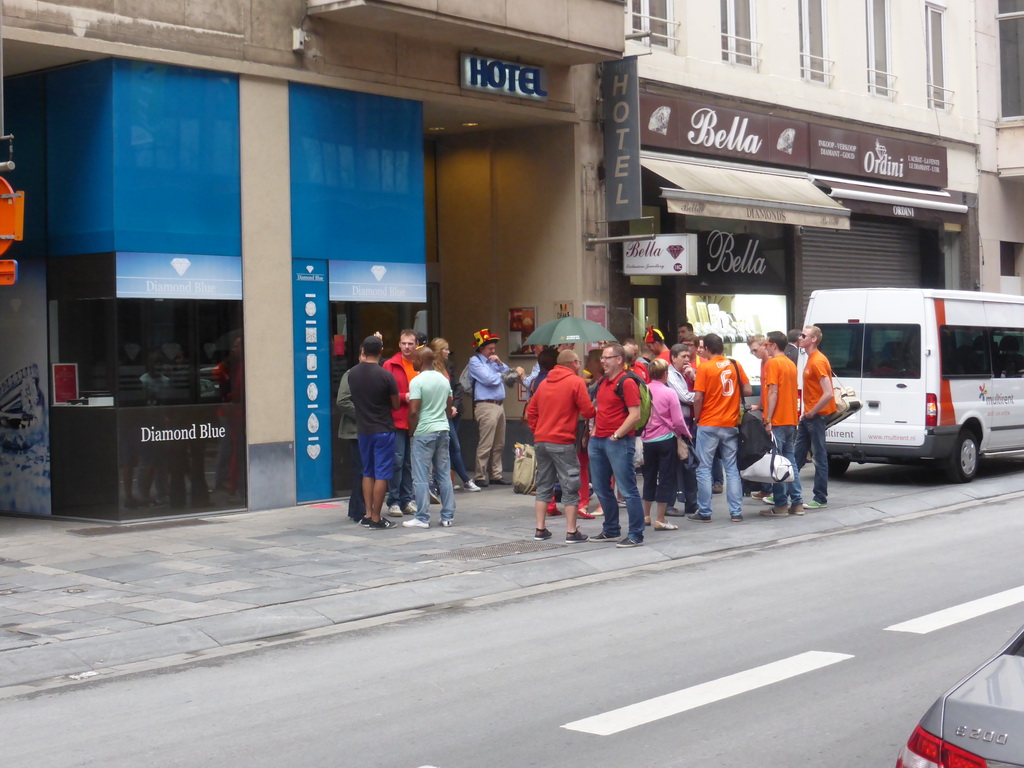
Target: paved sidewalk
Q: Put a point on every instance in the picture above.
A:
(76, 597)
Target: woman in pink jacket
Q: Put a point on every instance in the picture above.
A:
(659, 439)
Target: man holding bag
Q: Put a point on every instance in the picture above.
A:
(780, 420)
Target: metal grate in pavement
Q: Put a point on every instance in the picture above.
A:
(491, 551)
(107, 530)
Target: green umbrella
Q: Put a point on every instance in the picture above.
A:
(569, 330)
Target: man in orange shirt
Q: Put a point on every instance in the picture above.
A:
(719, 390)
(402, 366)
(779, 397)
(818, 405)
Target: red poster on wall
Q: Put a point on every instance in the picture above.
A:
(65, 382)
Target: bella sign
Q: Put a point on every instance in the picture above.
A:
(664, 255)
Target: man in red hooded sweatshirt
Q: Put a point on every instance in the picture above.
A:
(551, 415)
(402, 366)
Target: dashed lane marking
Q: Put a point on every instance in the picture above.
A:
(958, 613)
(706, 693)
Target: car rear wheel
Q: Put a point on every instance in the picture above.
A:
(963, 462)
(837, 466)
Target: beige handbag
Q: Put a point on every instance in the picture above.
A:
(682, 449)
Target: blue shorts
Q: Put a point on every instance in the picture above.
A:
(378, 454)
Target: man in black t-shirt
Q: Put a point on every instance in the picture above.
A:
(374, 395)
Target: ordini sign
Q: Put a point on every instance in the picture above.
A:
(620, 93)
(664, 255)
(504, 77)
(710, 129)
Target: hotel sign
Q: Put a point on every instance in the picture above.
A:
(505, 78)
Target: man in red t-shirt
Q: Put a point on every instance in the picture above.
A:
(612, 446)
(818, 405)
(719, 390)
(655, 341)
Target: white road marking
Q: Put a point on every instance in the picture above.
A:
(706, 693)
(950, 616)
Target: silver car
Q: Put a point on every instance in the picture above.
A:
(979, 722)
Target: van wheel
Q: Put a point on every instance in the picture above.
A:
(837, 466)
(963, 462)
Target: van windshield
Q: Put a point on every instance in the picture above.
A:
(873, 350)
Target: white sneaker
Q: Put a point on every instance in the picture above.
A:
(414, 523)
(395, 511)
(471, 486)
(447, 523)
(410, 508)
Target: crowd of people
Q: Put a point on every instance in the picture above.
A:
(674, 412)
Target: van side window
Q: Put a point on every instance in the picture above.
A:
(1008, 353)
(892, 351)
(842, 344)
(965, 352)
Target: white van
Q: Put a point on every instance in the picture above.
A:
(939, 373)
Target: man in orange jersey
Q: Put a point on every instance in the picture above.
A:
(778, 384)
(818, 404)
(719, 390)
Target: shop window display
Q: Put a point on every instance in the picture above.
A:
(736, 318)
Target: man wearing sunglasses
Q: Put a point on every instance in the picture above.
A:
(818, 404)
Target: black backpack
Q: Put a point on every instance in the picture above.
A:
(754, 441)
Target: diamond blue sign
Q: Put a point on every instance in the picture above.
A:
(178, 276)
(312, 370)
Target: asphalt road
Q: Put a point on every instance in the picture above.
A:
(778, 656)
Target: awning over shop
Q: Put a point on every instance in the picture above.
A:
(732, 192)
(892, 200)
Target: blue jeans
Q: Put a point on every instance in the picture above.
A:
(786, 494)
(430, 454)
(400, 484)
(810, 433)
(725, 440)
(455, 450)
(610, 458)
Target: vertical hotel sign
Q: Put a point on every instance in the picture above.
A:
(620, 92)
(312, 369)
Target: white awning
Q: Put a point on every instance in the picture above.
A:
(732, 192)
(889, 194)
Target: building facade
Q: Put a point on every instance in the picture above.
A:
(794, 146)
(223, 198)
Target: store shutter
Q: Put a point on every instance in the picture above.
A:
(868, 255)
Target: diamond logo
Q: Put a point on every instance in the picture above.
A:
(379, 272)
(675, 250)
(181, 266)
(313, 450)
(309, 269)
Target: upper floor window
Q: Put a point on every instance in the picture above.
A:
(939, 97)
(814, 64)
(880, 80)
(655, 17)
(1011, 56)
(738, 30)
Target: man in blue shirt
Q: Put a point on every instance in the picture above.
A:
(488, 373)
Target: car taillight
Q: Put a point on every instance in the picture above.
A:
(926, 751)
(931, 410)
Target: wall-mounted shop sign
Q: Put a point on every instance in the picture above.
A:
(182, 276)
(731, 262)
(378, 281)
(709, 129)
(507, 78)
(664, 255)
(620, 94)
(312, 371)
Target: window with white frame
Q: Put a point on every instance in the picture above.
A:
(939, 97)
(880, 80)
(738, 30)
(655, 17)
(814, 64)
(1011, 57)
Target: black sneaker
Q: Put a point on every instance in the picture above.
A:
(540, 534)
(698, 518)
(602, 536)
(380, 525)
(576, 537)
(629, 541)
(365, 521)
(737, 518)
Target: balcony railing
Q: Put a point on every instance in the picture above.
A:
(662, 33)
(882, 83)
(816, 69)
(940, 98)
(742, 51)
